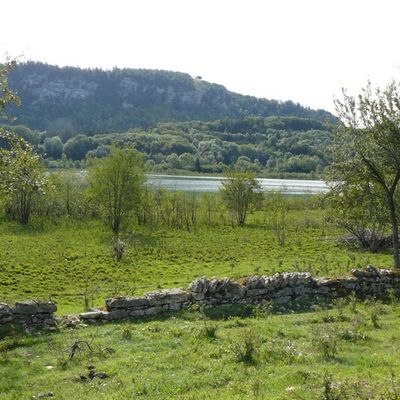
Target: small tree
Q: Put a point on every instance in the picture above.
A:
(21, 175)
(367, 149)
(116, 183)
(21, 172)
(6, 95)
(240, 192)
(358, 210)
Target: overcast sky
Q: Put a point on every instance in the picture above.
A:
(300, 50)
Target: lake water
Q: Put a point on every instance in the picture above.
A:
(213, 184)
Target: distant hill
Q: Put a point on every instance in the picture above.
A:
(66, 101)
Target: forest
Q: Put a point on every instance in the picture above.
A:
(271, 146)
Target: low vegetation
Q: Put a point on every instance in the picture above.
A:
(337, 353)
(73, 262)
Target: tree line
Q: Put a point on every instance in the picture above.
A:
(273, 145)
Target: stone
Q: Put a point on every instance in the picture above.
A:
(5, 309)
(200, 285)
(286, 292)
(301, 290)
(117, 315)
(126, 303)
(46, 394)
(93, 315)
(282, 300)
(371, 270)
(213, 285)
(256, 282)
(152, 311)
(348, 284)
(25, 308)
(198, 296)
(167, 296)
(321, 282)
(174, 306)
(46, 307)
(257, 292)
(6, 315)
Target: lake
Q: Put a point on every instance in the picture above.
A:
(213, 184)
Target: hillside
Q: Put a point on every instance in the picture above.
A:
(67, 101)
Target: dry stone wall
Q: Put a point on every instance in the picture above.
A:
(29, 314)
(284, 290)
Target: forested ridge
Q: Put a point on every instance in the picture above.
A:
(178, 122)
(96, 101)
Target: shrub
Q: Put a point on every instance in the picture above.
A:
(118, 247)
(245, 349)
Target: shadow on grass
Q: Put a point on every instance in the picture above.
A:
(222, 312)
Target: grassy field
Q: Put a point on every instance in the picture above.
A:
(348, 352)
(71, 262)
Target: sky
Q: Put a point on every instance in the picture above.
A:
(300, 50)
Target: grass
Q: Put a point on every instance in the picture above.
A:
(72, 262)
(350, 351)
(319, 355)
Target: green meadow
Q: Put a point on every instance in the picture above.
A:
(71, 262)
(350, 351)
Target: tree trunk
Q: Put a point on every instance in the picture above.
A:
(395, 231)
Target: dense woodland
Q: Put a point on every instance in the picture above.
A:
(280, 145)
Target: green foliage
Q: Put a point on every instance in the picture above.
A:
(240, 192)
(53, 147)
(357, 209)
(21, 176)
(77, 147)
(367, 151)
(116, 184)
(7, 96)
(205, 147)
(245, 349)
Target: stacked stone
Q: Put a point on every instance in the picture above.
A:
(152, 303)
(373, 282)
(29, 314)
(216, 291)
(282, 289)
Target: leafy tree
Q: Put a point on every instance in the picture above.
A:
(367, 149)
(7, 96)
(53, 146)
(77, 147)
(197, 166)
(358, 210)
(240, 192)
(21, 175)
(116, 183)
